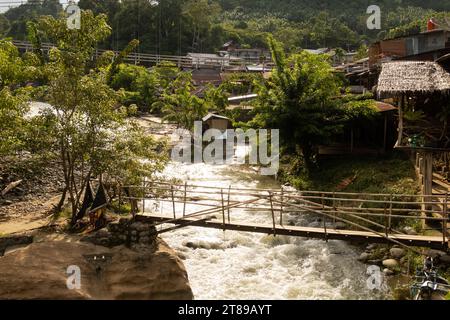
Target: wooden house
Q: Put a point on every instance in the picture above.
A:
(421, 90)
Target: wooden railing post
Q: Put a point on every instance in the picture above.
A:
(390, 212)
(143, 197)
(173, 202)
(223, 209)
(120, 196)
(334, 209)
(228, 204)
(184, 199)
(281, 206)
(273, 213)
(324, 217)
(445, 220)
(385, 218)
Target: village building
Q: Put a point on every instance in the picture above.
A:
(215, 121)
(421, 91)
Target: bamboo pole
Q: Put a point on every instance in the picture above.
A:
(228, 209)
(385, 220)
(293, 192)
(369, 230)
(281, 206)
(444, 221)
(273, 214)
(173, 203)
(335, 209)
(390, 212)
(184, 201)
(203, 212)
(223, 209)
(143, 199)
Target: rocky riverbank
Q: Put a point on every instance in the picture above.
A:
(399, 265)
(127, 261)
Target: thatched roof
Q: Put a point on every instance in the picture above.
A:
(411, 77)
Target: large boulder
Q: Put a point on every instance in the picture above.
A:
(39, 271)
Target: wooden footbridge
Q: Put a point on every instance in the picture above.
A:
(374, 218)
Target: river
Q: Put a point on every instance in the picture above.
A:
(239, 265)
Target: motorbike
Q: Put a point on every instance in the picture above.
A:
(428, 284)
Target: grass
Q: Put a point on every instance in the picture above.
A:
(392, 174)
(123, 209)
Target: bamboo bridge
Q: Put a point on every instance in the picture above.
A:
(362, 217)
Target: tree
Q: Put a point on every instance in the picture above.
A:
(4, 26)
(180, 105)
(202, 13)
(298, 100)
(19, 16)
(363, 52)
(12, 121)
(11, 65)
(91, 136)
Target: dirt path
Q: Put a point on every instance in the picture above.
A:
(27, 215)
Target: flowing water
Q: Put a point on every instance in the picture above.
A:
(239, 265)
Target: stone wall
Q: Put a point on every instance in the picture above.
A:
(125, 232)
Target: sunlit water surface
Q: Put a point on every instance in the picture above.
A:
(240, 265)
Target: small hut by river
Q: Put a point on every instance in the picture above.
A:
(421, 90)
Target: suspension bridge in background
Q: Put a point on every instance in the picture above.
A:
(362, 217)
(146, 59)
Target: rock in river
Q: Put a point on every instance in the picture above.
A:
(390, 263)
(364, 257)
(397, 253)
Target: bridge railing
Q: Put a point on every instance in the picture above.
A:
(384, 214)
(146, 58)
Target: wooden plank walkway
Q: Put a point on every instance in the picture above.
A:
(363, 217)
(307, 232)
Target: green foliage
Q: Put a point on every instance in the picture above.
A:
(85, 128)
(389, 175)
(141, 86)
(363, 52)
(300, 91)
(11, 65)
(216, 99)
(359, 110)
(241, 83)
(19, 17)
(12, 123)
(179, 105)
(181, 26)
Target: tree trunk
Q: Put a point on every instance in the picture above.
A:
(308, 154)
(62, 200)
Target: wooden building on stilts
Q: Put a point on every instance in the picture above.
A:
(421, 90)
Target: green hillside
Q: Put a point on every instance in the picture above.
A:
(180, 26)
